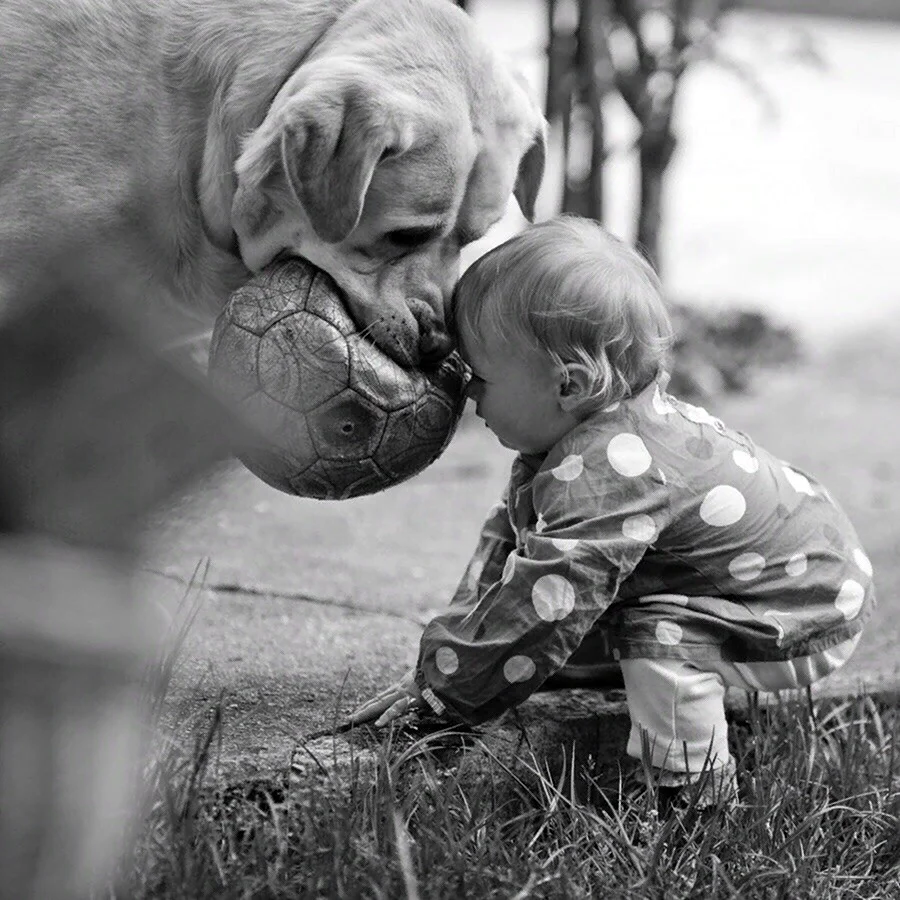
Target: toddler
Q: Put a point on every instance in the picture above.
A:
(632, 521)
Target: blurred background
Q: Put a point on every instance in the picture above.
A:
(751, 148)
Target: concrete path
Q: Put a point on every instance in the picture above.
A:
(315, 600)
(310, 607)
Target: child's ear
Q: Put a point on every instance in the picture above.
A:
(576, 384)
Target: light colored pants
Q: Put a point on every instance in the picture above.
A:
(680, 705)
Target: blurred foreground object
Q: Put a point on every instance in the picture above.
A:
(96, 429)
(340, 417)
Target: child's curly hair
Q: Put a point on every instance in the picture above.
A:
(569, 288)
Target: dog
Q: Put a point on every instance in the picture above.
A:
(178, 146)
(206, 140)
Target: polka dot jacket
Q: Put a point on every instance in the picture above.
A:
(656, 523)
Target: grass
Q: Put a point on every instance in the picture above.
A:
(818, 816)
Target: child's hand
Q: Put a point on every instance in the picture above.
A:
(397, 700)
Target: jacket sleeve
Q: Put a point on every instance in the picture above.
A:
(496, 541)
(492, 652)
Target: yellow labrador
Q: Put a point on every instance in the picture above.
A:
(202, 139)
(183, 144)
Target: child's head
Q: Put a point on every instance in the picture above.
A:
(568, 297)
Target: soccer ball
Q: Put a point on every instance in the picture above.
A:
(339, 418)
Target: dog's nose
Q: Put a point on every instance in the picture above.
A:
(434, 341)
(434, 346)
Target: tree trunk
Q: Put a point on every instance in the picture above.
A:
(595, 77)
(649, 90)
(655, 152)
(599, 80)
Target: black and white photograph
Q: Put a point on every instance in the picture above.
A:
(449, 450)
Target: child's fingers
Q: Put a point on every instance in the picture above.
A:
(381, 702)
(404, 705)
(371, 710)
(386, 694)
(394, 690)
(377, 705)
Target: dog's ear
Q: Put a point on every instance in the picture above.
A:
(329, 155)
(531, 173)
(326, 142)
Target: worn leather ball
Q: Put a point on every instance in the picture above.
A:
(337, 417)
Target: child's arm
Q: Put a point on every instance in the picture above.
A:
(477, 660)
(495, 542)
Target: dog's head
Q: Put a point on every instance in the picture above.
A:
(397, 141)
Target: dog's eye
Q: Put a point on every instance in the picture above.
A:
(410, 238)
